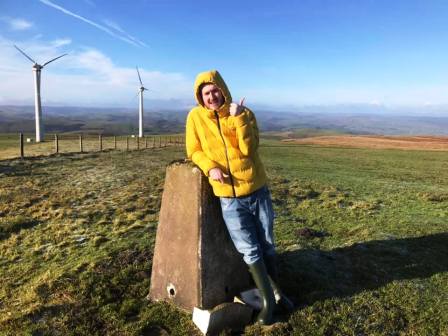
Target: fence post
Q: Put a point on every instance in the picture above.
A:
(80, 143)
(100, 139)
(138, 143)
(115, 142)
(127, 143)
(21, 145)
(154, 142)
(146, 142)
(160, 141)
(56, 144)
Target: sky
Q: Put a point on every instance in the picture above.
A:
(272, 52)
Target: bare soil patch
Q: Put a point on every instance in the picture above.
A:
(436, 143)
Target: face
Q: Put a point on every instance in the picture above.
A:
(212, 96)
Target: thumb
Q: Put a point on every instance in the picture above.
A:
(242, 101)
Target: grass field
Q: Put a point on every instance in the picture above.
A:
(375, 141)
(362, 236)
(70, 143)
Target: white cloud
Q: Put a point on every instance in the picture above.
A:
(61, 42)
(17, 23)
(121, 35)
(83, 77)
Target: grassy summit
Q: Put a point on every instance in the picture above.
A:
(362, 236)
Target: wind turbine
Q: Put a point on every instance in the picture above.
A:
(140, 110)
(37, 104)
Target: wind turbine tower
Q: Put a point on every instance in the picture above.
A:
(37, 103)
(140, 110)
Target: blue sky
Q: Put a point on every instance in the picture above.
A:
(276, 53)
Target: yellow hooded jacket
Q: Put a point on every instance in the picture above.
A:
(215, 139)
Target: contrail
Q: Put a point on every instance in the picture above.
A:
(116, 27)
(96, 25)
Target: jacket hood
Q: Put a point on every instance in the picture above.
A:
(214, 77)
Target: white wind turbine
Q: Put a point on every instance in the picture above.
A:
(140, 110)
(37, 104)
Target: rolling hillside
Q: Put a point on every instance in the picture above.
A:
(362, 237)
(120, 121)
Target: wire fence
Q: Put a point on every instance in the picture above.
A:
(63, 143)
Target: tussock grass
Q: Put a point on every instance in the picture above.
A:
(362, 237)
(77, 239)
(381, 266)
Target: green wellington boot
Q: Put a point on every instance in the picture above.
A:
(281, 299)
(261, 279)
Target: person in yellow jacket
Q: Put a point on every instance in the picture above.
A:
(222, 139)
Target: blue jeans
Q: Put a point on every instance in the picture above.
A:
(250, 220)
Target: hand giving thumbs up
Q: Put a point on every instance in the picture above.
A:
(236, 109)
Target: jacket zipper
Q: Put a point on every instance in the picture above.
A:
(227, 157)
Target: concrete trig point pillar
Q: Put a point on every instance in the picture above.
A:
(195, 263)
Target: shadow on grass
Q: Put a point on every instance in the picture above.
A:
(310, 275)
(12, 168)
(77, 320)
(24, 167)
(16, 224)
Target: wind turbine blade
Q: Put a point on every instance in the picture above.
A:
(54, 59)
(140, 79)
(23, 53)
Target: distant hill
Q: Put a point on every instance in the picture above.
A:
(90, 120)
(124, 120)
(383, 124)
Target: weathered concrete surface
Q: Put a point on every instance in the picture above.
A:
(195, 263)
